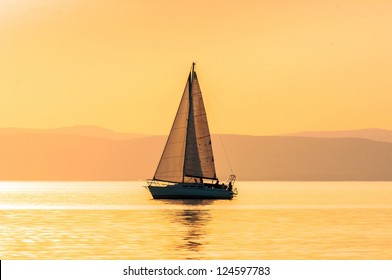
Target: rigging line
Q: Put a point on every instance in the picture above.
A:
(205, 96)
(224, 150)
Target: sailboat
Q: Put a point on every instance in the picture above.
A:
(186, 169)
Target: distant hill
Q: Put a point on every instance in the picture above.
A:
(306, 158)
(370, 133)
(41, 156)
(55, 155)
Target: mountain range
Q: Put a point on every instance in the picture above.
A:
(375, 134)
(92, 153)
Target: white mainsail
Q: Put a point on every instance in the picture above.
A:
(188, 152)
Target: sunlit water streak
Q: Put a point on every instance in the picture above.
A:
(268, 220)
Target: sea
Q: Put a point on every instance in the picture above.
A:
(267, 220)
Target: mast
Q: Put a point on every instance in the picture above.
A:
(189, 116)
(193, 71)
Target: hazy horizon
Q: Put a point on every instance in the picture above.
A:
(101, 128)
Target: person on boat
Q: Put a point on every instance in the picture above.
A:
(230, 188)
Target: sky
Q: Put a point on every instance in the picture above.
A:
(265, 67)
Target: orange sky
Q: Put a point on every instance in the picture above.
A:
(265, 67)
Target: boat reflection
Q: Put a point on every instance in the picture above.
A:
(193, 222)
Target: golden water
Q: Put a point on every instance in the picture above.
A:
(268, 220)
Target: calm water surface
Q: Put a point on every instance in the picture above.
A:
(268, 220)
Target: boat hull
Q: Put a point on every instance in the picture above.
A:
(180, 191)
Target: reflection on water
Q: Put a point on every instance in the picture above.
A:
(193, 222)
(312, 220)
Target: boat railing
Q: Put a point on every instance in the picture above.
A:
(231, 180)
(155, 183)
(230, 184)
